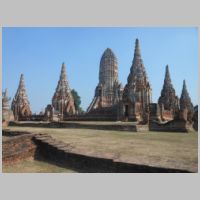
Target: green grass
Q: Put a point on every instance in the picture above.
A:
(172, 150)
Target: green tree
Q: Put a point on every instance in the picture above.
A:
(77, 101)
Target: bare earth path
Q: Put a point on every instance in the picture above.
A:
(35, 166)
(170, 150)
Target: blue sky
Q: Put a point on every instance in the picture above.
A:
(38, 53)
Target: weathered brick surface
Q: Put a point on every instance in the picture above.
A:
(18, 147)
(116, 127)
(62, 154)
(171, 126)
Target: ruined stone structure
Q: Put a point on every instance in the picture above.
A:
(62, 101)
(111, 101)
(137, 92)
(154, 112)
(20, 104)
(186, 107)
(168, 101)
(7, 114)
(108, 91)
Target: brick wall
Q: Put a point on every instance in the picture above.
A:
(171, 126)
(17, 146)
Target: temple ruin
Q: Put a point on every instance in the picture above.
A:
(112, 102)
(186, 106)
(62, 101)
(168, 101)
(108, 92)
(137, 92)
(20, 104)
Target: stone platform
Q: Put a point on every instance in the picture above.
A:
(115, 126)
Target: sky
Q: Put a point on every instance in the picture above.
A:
(38, 53)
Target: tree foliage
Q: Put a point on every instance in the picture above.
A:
(77, 101)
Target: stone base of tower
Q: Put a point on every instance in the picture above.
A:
(103, 114)
(132, 112)
(176, 125)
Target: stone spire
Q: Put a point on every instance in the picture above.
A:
(168, 98)
(108, 70)
(20, 103)
(138, 83)
(137, 90)
(63, 86)
(107, 88)
(137, 72)
(185, 101)
(62, 100)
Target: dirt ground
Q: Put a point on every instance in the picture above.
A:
(34, 166)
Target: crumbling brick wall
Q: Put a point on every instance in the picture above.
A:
(17, 147)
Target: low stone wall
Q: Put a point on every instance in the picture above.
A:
(171, 126)
(62, 155)
(117, 127)
(17, 146)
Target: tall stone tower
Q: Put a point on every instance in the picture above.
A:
(137, 92)
(186, 106)
(168, 101)
(20, 104)
(107, 92)
(63, 101)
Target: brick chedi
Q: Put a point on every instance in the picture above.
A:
(107, 92)
(20, 104)
(186, 106)
(168, 101)
(62, 101)
(137, 92)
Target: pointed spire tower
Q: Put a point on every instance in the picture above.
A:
(62, 100)
(168, 99)
(185, 101)
(137, 72)
(137, 92)
(20, 104)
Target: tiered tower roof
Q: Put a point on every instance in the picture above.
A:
(168, 96)
(62, 100)
(20, 103)
(62, 89)
(21, 97)
(137, 72)
(185, 101)
(138, 85)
